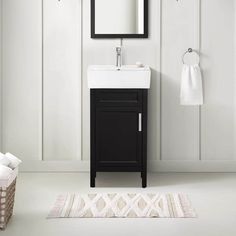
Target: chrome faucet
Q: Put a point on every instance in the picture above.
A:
(118, 57)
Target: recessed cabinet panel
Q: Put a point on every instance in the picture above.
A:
(116, 97)
(118, 139)
(62, 80)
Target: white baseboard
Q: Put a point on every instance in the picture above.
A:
(192, 166)
(55, 166)
(153, 166)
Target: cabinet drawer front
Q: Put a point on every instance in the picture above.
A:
(114, 97)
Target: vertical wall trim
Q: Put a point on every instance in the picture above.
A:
(197, 45)
(200, 109)
(160, 66)
(42, 105)
(1, 78)
(81, 79)
(235, 80)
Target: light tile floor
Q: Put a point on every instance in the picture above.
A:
(212, 195)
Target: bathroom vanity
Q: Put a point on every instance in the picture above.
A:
(119, 93)
(118, 119)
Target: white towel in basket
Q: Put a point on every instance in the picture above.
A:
(8, 169)
(14, 161)
(4, 160)
(5, 172)
(8, 176)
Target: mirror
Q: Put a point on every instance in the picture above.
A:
(119, 18)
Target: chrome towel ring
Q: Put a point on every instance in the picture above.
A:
(190, 50)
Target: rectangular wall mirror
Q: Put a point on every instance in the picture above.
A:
(119, 18)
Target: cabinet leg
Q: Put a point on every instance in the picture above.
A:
(92, 179)
(144, 179)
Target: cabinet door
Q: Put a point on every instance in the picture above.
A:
(118, 137)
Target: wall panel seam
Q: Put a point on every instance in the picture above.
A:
(81, 80)
(200, 109)
(1, 79)
(160, 66)
(198, 47)
(42, 92)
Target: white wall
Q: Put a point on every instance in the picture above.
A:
(22, 78)
(0, 74)
(179, 138)
(180, 124)
(218, 43)
(62, 80)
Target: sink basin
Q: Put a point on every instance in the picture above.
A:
(108, 76)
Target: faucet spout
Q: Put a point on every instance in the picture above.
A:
(118, 57)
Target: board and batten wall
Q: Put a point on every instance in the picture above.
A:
(46, 49)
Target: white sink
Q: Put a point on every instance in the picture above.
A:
(108, 76)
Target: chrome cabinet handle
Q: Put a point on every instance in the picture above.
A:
(140, 122)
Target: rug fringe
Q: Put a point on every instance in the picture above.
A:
(58, 206)
(189, 211)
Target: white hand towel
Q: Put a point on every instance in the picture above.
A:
(5, 172)
(14, 161)
(4, 160)
(191, 92)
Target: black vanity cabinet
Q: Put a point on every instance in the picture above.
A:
(118, 131)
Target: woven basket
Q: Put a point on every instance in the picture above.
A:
(7, 195)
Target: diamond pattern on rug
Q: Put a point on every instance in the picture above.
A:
(124, 205)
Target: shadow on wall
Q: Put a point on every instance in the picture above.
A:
(131, 180)
(154, 102)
